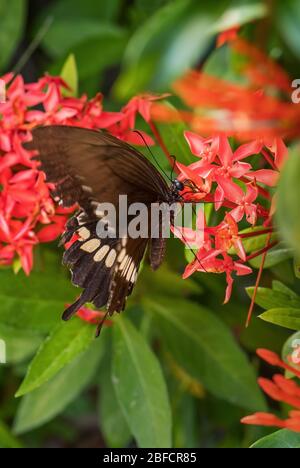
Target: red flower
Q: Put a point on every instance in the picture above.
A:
(212, 244)
(92, 316)
(280, 389)
(28, 214)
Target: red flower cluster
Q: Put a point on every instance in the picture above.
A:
(240, 180)
(222, 176)
(28, 214)
(280, 389)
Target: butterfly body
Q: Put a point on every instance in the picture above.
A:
(88, 168)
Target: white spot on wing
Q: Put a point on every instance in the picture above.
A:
(91, 245)
(121, 255)
(130, 271)
(111, 257)
(83, 233)
(101, 253)
(86, 188)
(123, 263)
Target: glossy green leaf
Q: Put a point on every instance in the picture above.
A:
(31, 315)
(106, 10)
(140, 387)
(47, 283)
(287, 19)
(297, 268)
(65, 342)
(67, 33)
(7, 439)
(276, 255)
(270, 298)
(34, 304)
(285, 317)
(89, 54)
(70, 75)
(179, 33)
(46, 402)
(112, 422)
(168, 281)
(288, 207)
(19, 344)
(12, 14)
(280, 287)
(281, 439)
(207, 350)
(240, 14)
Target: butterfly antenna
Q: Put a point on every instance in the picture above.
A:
(154, 158)
(173, 167)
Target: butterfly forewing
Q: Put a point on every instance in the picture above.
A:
(91, 167)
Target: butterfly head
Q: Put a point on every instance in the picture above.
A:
(176, 187)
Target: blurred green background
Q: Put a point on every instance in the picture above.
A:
(192, 394)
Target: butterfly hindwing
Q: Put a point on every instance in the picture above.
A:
(125, 272)
(105, 268)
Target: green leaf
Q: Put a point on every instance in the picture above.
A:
(280, 439)
(284, 317)
(91, 9)
(99, 52)
(297, 268)
(172, 134)
(240, 14)
(288, 207)
(65, 342)
(287, 19)
(205, 348)
(28, 304)
(8, 440)
(46, 283)
(186, 422)
(253, 244)
(179, 33)
(12, 14)
(270, 298)
(276, 255)
(168, 281)
(46, 402)
(70, 76)
(30, 315)
(67, 33)
(140, 387)
(19, 344)
(280, 287)
(112, 422)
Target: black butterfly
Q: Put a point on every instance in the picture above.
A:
(88, 167)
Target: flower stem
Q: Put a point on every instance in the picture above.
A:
(262, 252)
(246, 235)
